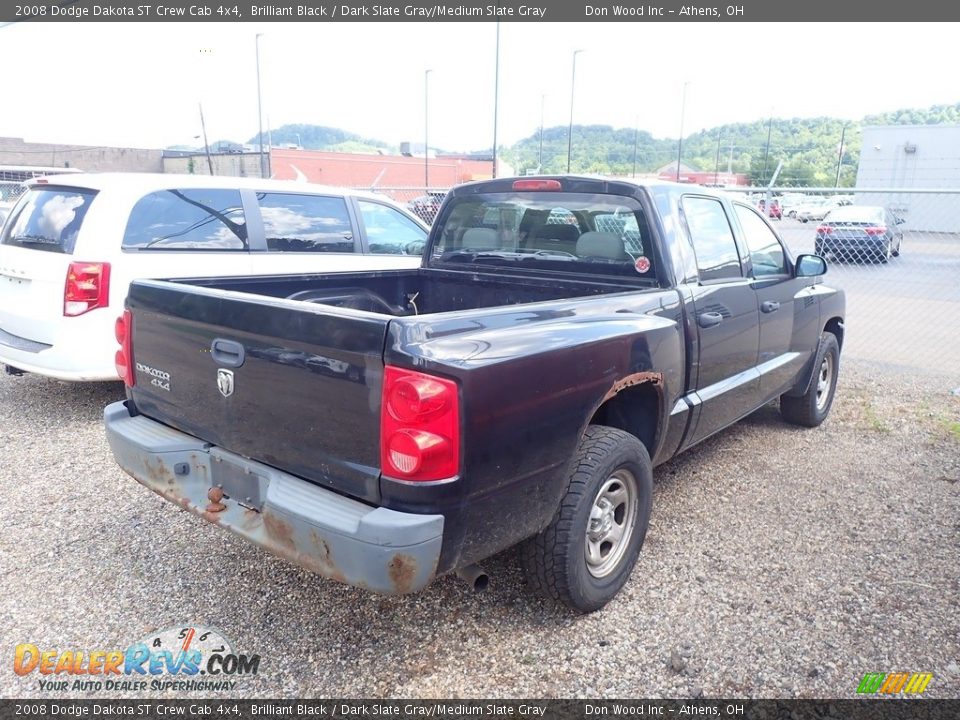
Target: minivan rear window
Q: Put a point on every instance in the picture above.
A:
(48, 218)
(187, 220)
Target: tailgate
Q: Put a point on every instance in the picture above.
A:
(294, 386)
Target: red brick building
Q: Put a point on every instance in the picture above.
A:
(385, 171)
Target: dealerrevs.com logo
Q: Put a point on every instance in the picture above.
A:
(178, 658)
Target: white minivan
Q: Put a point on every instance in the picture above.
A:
(72, 244)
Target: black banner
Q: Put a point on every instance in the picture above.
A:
(512, 11)
(866, 709)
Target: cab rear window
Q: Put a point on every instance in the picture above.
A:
(48, 218)
(554, 232)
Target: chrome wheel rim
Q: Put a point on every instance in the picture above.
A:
(824, 378)
(613, 517)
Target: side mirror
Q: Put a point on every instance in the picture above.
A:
(810, 266)
(900, 221)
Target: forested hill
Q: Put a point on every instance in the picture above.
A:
(809, 147)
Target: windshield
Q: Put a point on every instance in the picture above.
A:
(559, 232)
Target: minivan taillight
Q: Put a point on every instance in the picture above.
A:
(123, 330)
(419, 426)
(87, 287)
(876, 230)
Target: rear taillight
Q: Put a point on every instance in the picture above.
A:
(123, 360)
(875, 231)
(87, 287)
(419, 426)
(824, 229)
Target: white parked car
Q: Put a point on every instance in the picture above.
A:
(815, 209)
(72, 244)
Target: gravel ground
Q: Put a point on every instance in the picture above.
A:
(780, 562)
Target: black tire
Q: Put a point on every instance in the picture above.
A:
(812, 408)
(555, 561)
(884, 255)
(896, 253)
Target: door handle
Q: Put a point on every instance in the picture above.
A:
(770, 306)
(709, 319)
(227, 352)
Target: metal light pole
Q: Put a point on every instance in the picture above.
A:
(716, 168)
(426, 128)
(573, 81)
(636, 140)
(263, 170)
(540, 151)
(766, 152)
(683, 112)
(843, 135)
(496, 98)
(299, 144)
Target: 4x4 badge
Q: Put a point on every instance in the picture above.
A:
(225, 382)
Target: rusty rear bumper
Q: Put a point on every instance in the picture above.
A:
(382, 550)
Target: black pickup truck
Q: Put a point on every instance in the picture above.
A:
(563, 336)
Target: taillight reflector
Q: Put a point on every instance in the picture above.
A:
(825, 229)
(123, 360)
(87, 287)
(876, 231)
(537, 185)
(419, 426)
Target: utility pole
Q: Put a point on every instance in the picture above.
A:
(843, 134)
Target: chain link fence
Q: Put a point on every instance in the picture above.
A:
(896, 254)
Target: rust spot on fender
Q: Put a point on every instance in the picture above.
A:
(403, 571)
(631, 380)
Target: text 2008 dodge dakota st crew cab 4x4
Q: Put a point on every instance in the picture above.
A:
(562, 337)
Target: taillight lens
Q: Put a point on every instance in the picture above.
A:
(876, 231)
(87, 288)
(419, 426)
(824, 229)
(537, 185)
(123, 360)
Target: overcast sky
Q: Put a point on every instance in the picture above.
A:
(139, 84)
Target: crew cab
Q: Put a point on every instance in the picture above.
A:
(562, 337)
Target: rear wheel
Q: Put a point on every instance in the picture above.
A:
(812, 408)
(896, 253)
(885, 253)
(586, 554)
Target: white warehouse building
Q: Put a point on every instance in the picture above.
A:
(912, 157)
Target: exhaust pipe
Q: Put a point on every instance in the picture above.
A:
(474, 576)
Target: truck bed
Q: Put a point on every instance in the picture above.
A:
(415, 292)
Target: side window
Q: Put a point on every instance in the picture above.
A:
(389, 231)
(713, 242)
(187, 220)
(306, 223)
(766, 253)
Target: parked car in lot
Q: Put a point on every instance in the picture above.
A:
(775, 212)
(73, 243)
(426, 206)
(518, 387)
(860, 233)
(815, 209)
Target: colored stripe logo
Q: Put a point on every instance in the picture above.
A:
(894, 683)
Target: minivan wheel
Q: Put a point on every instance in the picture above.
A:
(585, 555)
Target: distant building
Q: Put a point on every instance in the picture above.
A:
(89, 158)
(907, 157)
(700, 177)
